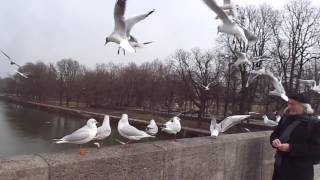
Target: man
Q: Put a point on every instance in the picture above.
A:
(297, 141)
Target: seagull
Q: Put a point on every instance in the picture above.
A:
(230, 9)
(254, 74)
(312, 84)
(241, 59)
(216, 128)
(97, 144)
(152, 128)
(278, 118)
(228, 25)
(130, 132)
(81, 136)
(104, 130)
(119, 34)
(129, 24)
(257, 61)
(172, 126)
(21, 74)
(206, 87)
(9, 58)
(269, 122)
(278, 88)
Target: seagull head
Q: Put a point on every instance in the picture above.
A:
(152, 121)
(218, 29)
(92, 122)
(124, 118)
(106, 119)
(176, 119)
(107, 41)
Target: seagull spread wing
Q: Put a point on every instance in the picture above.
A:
(231, 121)
(134, 20)
(119, 20)
(218, 10)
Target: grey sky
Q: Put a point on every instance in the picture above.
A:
(51, 30)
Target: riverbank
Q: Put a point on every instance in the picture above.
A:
(99, 113)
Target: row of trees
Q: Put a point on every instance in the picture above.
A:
(290, 36)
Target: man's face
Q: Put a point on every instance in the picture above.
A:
(295, 107)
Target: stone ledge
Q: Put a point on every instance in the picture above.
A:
(237, 156)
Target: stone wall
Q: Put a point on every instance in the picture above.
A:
(246, 156)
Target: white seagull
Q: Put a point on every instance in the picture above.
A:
(278, 88)
(152, 128)
(312, 84)
(119, 34)
(206, 87)
(254, 74)
(228, 25)
(269, 122)
(104, 130)
(129, 24)
(216, 128)
(172, 126)
(9, 58)
(21, 74)
(130, 132)
(81, 136)
(241, 59)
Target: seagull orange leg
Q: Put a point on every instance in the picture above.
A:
(82, 152)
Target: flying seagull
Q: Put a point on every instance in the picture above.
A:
(269, 122)
(241, 59)
(312, 84)
(216, 128)
(228, 25)
(278, 88)
(129, 24)
(9, 58)
(119, 34)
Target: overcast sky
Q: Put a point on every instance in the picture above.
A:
(32, 30)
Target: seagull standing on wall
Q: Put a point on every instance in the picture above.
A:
(81, 136)
(152, 128)
(130, 132)
(104, 130)
(172, 126)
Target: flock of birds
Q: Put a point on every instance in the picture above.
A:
(90, 131)
(230, 24)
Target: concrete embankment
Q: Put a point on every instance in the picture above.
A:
(245, 156)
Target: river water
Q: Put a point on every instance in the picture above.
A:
(28, 130)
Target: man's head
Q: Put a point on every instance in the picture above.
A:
(299, 104)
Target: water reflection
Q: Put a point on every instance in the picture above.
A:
(26, 130)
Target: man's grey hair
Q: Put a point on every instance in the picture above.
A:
(307, 109)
